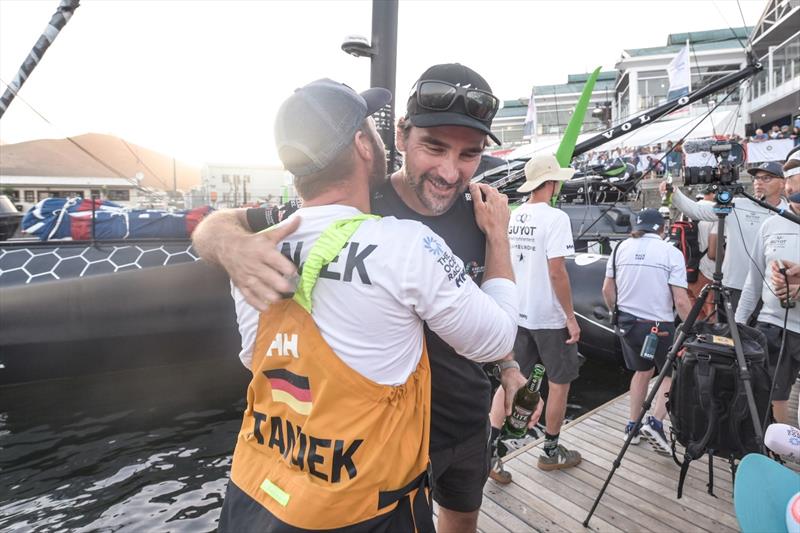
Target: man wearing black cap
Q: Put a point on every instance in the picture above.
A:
(741, 225)
(449, 116)
(336, 430)
(645, 278)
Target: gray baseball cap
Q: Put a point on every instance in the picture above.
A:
(771, 167)
(319, 120)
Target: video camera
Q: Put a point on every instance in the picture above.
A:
(729, 157)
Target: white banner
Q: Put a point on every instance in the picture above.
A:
(700, 159)
(774, 150)
(530, 119)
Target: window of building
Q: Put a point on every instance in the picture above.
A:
(41, 195)
(30, 197)
(95, 193)
(13, 194)
(226, 178)
(119, 195)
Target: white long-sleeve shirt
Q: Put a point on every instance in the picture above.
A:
(741, 227)
(777, 238)
(370, 303)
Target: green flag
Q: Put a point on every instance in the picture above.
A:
(570, 139)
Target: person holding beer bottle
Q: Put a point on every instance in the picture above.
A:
(541, 237)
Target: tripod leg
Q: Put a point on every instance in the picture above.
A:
(680, 336)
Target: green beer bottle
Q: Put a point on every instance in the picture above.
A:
(525, 402)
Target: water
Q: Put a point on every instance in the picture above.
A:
(145, 450)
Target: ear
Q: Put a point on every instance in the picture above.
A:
(362, 146)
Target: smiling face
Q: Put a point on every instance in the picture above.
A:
(439, 163)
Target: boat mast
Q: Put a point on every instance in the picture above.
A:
(57, 22)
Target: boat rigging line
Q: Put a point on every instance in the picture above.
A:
(130, 180)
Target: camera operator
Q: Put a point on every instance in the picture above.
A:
(742, 225)
(645, 277)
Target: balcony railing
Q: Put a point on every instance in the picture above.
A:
(781, 65)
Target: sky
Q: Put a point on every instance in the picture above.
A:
(201, 80)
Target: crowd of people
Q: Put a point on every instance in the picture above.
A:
(778, 132)
(390, 321)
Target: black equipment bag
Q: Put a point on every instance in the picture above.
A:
(707, 401)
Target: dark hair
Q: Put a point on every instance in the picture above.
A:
(337, 171)
(405, 125)
(637, 233)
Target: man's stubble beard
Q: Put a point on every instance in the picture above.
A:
(438, 206)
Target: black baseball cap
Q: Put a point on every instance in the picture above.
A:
(456, 115)
(648, 220)
(319, 120)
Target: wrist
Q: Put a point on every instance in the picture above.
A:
(501, 367)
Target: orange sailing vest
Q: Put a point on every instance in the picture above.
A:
(321, 446)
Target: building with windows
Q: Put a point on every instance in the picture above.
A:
(236, 185)
(28, 190)
(554, 105)
(643, 82)
(774, 96)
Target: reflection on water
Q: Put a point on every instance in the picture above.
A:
(144, 450)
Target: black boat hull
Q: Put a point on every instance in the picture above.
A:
(151, 316)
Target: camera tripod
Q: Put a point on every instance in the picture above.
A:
(722, 300)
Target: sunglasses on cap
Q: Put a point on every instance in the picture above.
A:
(441, 95)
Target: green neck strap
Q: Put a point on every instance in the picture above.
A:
(325, 250)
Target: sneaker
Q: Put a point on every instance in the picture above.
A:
(637, 437)
(653, 431)
(498, 473)
(509, 445)
(563, 458)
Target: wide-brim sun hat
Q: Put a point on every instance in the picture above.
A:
(542, 168)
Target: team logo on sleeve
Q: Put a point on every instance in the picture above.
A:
(432, 245)
(291, 389)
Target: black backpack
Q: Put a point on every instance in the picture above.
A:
(683, 234)
(707, 401)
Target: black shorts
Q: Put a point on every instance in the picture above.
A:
(460, 472)
(784, 375)
(632, 331)
(547, 346)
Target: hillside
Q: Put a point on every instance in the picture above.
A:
(60, 157)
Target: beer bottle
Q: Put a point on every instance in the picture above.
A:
(525, 402)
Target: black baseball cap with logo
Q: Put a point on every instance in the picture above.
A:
(451, 94)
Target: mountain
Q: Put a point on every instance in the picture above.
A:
(60, 157)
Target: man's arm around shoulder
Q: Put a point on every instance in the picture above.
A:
(251, 260)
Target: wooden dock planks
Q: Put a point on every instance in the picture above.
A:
(641, 496)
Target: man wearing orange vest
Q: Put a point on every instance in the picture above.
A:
(336, 430)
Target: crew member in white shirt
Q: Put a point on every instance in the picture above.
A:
(540, 238)
(741, 225)
(645, 277)
(777, 241)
